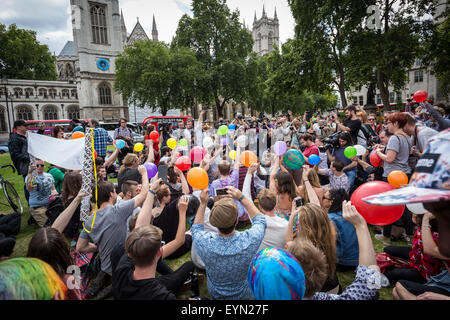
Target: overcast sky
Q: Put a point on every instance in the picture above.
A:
(52, 21)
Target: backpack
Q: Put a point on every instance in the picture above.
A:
(54, 209)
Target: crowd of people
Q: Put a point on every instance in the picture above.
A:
(142, 220)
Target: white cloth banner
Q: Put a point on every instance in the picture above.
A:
(63, 153)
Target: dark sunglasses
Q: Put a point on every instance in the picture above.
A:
(40, 165)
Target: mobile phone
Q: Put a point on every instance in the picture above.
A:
(162, 172)
(298, 202)
(221, 192)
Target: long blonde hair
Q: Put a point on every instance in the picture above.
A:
(315, 226)
(128, 161)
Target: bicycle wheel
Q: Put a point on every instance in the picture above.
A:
(12, 197)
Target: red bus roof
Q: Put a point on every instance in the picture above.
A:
(158, 119)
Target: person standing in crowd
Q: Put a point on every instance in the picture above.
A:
(420, 134)
(101, 138)
(123, 131)
(351, 124)
(18, 150)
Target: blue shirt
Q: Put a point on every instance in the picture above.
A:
(227, 259)
(101, 139)
(347, 248)
(42, 190)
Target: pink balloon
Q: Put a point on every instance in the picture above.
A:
(197, 154)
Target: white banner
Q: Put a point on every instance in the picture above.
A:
(63, 153)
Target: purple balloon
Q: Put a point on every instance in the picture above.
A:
(152, 169)
(224, 141)
(280, 148)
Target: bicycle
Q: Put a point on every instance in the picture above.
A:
(10, 193)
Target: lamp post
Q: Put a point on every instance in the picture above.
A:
(4, 82)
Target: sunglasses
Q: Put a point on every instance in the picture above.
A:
(40, 165)
(331, 199)
(371, 119)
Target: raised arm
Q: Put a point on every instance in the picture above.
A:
(246, 202)
(246, 188)
(184, 183)
(112, 158)
(145, 215)
(366, 250)
(273, 173)
(173, 245)
(64, 218)
(200, 215)
(313, 198)
(140, 198)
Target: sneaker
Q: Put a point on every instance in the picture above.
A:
(383, 239)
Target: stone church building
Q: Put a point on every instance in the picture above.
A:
(86, 71)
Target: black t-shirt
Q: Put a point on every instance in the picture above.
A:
(168, 221)
(128, 174)
(126, 288)
(354, 126)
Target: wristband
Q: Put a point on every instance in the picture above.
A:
(426, 226)
(241, 198)
(152, 192)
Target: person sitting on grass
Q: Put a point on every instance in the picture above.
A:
(134, 267)
(338, 178)
(228, 254)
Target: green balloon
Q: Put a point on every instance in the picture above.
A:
(183, 142)
(350, 152)
(222, 130)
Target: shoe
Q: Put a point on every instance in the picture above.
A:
(406, 238)
(383, 239)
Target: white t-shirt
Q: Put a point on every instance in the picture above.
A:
(275, 235)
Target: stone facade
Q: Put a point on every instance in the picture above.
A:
(265, 33)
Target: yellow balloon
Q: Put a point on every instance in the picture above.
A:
(138, 147)
(171, 143)
(232, 154)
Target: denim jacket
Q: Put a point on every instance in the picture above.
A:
(347, 249)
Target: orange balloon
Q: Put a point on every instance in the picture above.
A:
(248, 158)
(397, 178)
(77, 135)
(198, 178)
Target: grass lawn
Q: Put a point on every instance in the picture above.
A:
(26, 233)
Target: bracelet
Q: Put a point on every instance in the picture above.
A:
(241, 198)
(152, 192)
(426, 226)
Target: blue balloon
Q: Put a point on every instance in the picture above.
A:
(313, 159)
(77, 128)
(275, 274)
(120, 144)
(232, 127)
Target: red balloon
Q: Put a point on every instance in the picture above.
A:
(197, 154)
(183, 163)
(374, 214)
(374, 159)
(154, 135)
(420, 96)
(95, 154)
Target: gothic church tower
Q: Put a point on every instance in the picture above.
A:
(265, 33)
(98, 37)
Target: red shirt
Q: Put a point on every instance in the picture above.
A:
(309, 151)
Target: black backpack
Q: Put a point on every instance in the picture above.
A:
(54, 209)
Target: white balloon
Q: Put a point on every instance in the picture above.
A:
(360, 150)
(242, 141)
(207, 142)
(416, 208)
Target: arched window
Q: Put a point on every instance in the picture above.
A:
(24, 113)
(104, 93)
(65, 93)
(3, 127)
(270, 41)
(29, 92)
(73, 93)
(52, 93)
(18, 92)
(259, 42)
(73, 112)
(69, 71)
(98, 24)
(43, 92)
(50, 113)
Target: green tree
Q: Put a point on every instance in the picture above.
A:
(154, 75)
(323, 31)
(384, 56)
(436, 51)
(222, 47)
(23, 57)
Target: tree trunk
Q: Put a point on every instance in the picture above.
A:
(384, 91)
(219, 108)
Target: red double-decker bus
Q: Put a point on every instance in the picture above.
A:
(158, 120)
(33, 125)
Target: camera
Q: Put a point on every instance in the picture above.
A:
(332, 141)
(298, 202)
